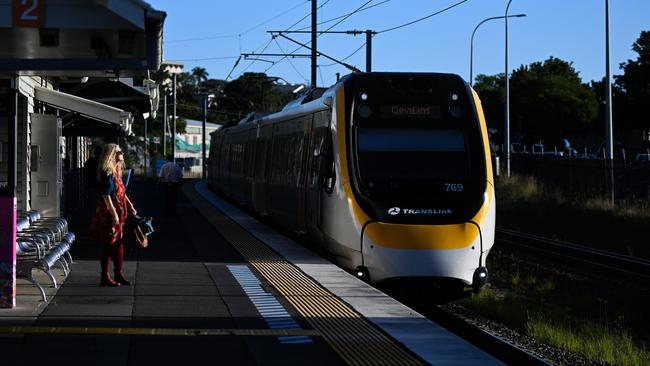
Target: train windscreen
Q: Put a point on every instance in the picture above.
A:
(386, 153)
(416, 143)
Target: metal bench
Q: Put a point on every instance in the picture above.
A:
(41, 243)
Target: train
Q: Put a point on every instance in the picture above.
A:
(390, 172)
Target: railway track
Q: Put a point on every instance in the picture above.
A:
(579, 257)
(499, 347)
(490, 343)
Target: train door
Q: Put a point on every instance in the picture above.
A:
(303, 163)
(260, 195)
(249, 171)
(316, 171)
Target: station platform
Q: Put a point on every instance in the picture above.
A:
(216, 285)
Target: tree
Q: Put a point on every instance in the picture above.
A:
(634, 87)
(549, 101)
(253, 92)
(491, 90)
(199, 76)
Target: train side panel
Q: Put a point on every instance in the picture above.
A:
(342, 217)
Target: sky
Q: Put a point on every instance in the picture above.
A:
(213, 33)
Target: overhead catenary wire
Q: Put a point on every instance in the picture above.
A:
(349, 15)
(239, 37)
(346, 16)
(242, 33)
(253, 61)
(423, 18)
(307, 16)
(346, 57)
(267, 45)
(207, 58)
(290, 62)
(398, 27)
(275, 17)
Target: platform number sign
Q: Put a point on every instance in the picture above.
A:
(28, 13)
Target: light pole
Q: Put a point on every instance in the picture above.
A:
(506, 132)
(609, 136)
(471, 44)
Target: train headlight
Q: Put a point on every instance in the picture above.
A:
(362, 273)
(363, 96)
(480, 277)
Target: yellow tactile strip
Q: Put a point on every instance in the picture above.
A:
(159, 331)
(356, 340)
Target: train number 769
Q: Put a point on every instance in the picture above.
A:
(454, 187)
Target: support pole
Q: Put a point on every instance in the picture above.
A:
(609, 138)
(506, 132)
(164, 126)
(8, 110)
(205, 120)
(314, 14)
(368, 50)
(174, 118)
(146, 145)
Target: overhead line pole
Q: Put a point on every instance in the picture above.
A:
(369, 34)
(314, 13)
(321, 54)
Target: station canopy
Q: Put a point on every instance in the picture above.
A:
(86, 117)
(84, 38)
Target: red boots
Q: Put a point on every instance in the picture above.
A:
(116, 251)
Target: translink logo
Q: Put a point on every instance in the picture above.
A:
(419, 211)
(394, 211)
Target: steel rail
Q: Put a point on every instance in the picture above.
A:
(601, 261)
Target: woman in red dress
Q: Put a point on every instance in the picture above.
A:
(113, 208)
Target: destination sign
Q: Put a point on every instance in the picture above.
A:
(410, 111)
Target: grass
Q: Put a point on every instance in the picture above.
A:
(547, 306)
(550, 325)
(594, 341)
(525, 205)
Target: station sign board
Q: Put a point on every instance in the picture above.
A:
(28, 13)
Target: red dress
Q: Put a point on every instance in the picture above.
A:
(102, 227)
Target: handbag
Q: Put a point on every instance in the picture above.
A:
(135, 237)
(136, 231)
(145, 223)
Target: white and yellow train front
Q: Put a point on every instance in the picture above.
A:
(414, 193)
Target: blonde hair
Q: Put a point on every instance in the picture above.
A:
(108, 164)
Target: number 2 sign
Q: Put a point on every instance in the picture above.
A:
(28, 13)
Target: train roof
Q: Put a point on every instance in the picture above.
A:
(308, 96)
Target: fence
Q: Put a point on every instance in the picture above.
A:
(587, 176)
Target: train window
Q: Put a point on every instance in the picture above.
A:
(396, 154)
(384, 139)
(328, 166)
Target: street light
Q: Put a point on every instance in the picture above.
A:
(506, 133)
(471, 45)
